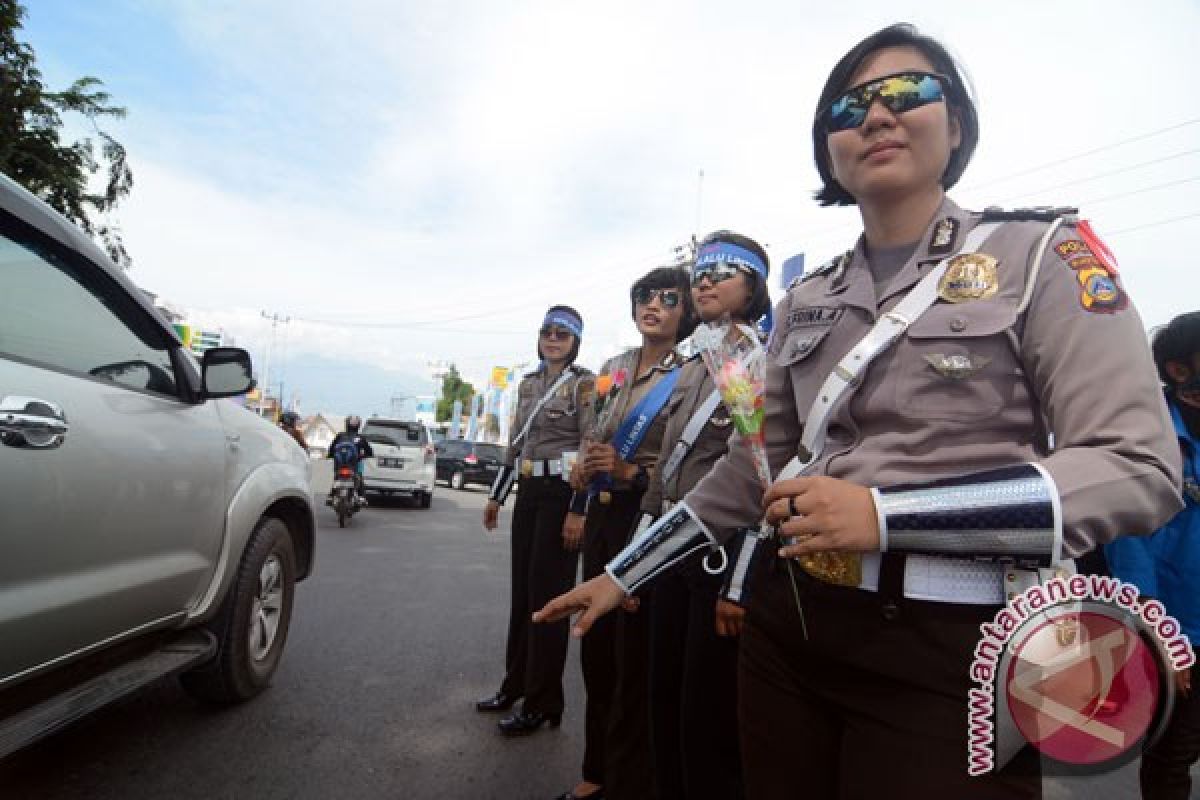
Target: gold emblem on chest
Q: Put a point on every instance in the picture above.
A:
(970, 276)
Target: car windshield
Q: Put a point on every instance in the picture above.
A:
(489, 451)
(395, 433)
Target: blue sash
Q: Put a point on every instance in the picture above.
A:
(636, 424)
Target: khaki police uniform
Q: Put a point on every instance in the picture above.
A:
(614, 653)
(693, 674)
(873, 703)
(541, 567)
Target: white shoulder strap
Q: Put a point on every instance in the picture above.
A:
(890, 327)
(566, 373)
(687, 439)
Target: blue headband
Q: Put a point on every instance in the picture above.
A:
(724, 252)
(564, 319)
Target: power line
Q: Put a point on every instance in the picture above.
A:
(1154, 224)
(1142, 190)
(827, 233)
(1085, 154)
(1100, 175)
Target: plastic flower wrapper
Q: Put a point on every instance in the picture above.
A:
(737, 363)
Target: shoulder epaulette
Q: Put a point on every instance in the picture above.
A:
(1037, 213)
(829, 266)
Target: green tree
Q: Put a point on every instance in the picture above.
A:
(33, 153)
(453, 388)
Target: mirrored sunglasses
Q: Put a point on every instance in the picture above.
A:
(554, 333)
(716, 273)
(668, 297)
(901, 92)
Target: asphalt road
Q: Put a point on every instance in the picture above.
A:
(398, 631)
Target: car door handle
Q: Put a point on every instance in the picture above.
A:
(29, 422)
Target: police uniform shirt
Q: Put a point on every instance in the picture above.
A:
(694, 387)
(631, 394)
(560, 421)
(972, 386)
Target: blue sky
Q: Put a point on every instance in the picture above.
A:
(453, 168)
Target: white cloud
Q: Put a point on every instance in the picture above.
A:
(468, 164)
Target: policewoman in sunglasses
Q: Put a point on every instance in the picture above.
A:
(554, 408)
(614, 472)
(697, 609)
(907, 419)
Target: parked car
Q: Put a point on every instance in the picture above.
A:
(461, 463)
(147, 527)
(404, 463)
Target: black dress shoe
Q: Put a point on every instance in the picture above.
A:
(526, 722)
(500, 701)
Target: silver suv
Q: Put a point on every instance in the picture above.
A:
(147, 527)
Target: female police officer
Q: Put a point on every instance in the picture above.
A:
(915, 413)
(693, 670)
(554, 408)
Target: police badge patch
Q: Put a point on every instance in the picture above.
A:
(969, 276)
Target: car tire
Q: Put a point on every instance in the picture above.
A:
(458, 481)
(425, 500)
(259, 608)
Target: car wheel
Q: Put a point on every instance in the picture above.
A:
(252, 625)
(458, 480)
(426, 500)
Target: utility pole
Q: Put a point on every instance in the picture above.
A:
(275, 319)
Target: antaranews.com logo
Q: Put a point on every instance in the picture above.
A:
(1078, 668)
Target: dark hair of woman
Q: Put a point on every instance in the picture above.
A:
(669, 278)
(958, 104)
(574, 346)
(1176, 342)
(760, 300)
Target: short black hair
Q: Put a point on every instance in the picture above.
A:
(958, 103)
(1178, 341)
(674, 277)
(760, 300)
(574, 348)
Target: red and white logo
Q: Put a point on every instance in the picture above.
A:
(1083, 687)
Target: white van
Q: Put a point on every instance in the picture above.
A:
(404, 462)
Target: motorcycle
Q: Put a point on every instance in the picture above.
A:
(345, 501)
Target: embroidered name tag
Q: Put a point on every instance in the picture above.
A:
(808, 317)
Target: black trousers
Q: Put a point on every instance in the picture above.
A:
(541, 570)
(607, 531)
(693, 690)
(1165, 772)
(873, 704)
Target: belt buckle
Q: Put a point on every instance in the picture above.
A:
(604, 498)
(527, 468)
(840, 569)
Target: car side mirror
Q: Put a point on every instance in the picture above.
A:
(226, 372)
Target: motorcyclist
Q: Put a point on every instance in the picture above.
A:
(362, 452)
(290, 422)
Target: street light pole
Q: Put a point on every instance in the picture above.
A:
(275, 319)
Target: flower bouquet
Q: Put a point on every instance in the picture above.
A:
(608, 390)
(737, 362)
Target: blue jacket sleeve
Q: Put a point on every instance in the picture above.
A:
(1131, 558)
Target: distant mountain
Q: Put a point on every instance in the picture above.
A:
(343, 387)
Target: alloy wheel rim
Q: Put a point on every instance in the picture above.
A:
(267, 610)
